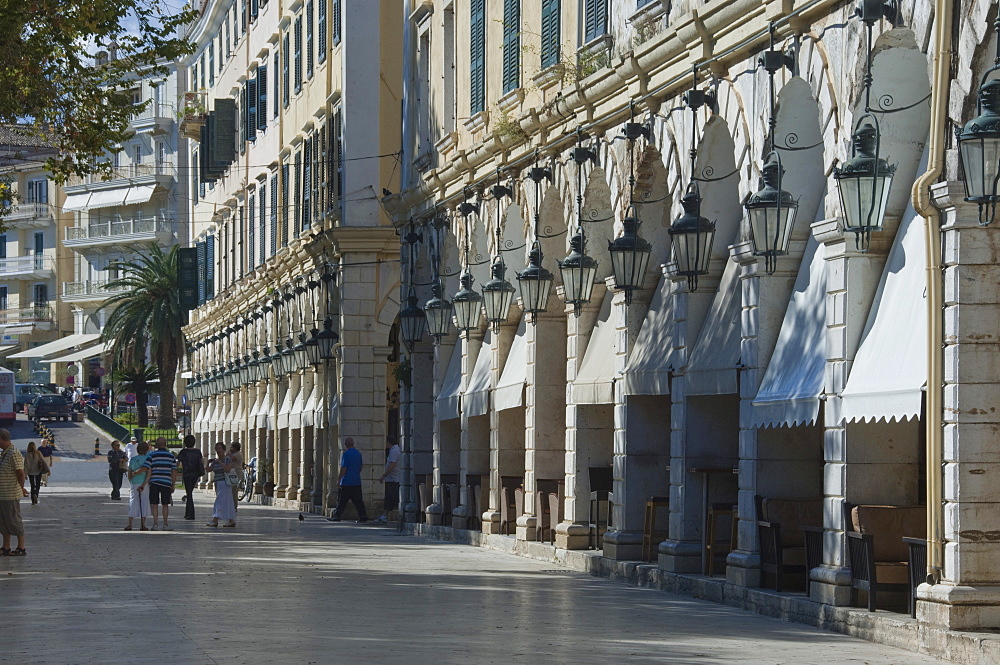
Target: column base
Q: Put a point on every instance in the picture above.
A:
(959, 607)
(459, 518)
(410, 513)
(434, 515)
(304, 496)
(623, 545)
(527, 525)
(491, 522)
(279, 491)
(677, 556)
(830, 585)
(572, 536)
(743, 569)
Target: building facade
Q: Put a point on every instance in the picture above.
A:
(293, 109)
(840, 381)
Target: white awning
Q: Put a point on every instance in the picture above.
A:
(285, 409)
(509, 393)
(18, 329)
(187, 374)
(476, 399)
(238, 416)
(140, 194)
(295, 420)
(77, 201)
(334, 408)
(48, 349)
(890, 369)
(309, 406)
(594, 382)
(254, 411)
(264, 418)
(789, 393)
(651, 358)
(107, 198)
(450, 395)
(211, 418)
(7, 348)
(712, 366)
(197, 414)
(77, 356)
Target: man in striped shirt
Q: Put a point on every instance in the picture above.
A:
(163, 476)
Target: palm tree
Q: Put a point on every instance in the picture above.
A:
(137, 380)
(147, 313)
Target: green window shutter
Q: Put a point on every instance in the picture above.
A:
(252, 109)
(511, 45)
(297, 192)
(336, 22)
(274, 215)
(477, 57)
(550, 32)
(310, 31)
(286, 76)
(251, 231)
(202, 274)
(262, 222)
(595, 19)
(321, 45)
(209, 267)
(298, 54)
(307, 185)
(285, 174)
(262, 97)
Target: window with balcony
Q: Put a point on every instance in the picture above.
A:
(595, 19)
(477, 57)
(3, 246)
(38, 191)
(3, 297)
(137, 154)
(511, 45)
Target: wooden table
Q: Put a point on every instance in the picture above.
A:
(707, 473)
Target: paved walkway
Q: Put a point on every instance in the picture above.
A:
(277, 590)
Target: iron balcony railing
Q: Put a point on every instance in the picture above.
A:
(26, 211)
(130, 171)
(22, 264)
(37, 313)
(120, 227)
(96, 288)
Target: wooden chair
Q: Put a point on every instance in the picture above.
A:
(713, 546)
(601, 486)
(790, 536)
(449, 499)
(556, 503)
(508, 507)
(518, 505)
(650, 535)
(880, 548)
(545, 525)
(423, 495)
(476, 519)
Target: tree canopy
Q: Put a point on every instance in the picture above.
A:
(49, 77)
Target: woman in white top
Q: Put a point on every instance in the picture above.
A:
(225, 509)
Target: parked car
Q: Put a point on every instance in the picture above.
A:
(48, 406)
(25, 393)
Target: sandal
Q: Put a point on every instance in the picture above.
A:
(128, 528)
(4, 551)
(212, 524)
(18, 551)
(230, 525)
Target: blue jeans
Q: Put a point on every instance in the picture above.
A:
(115, 476)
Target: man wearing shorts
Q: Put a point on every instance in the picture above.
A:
(163, 476)
(391, 479)
(11, 492)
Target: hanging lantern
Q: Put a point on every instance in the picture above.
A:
(629, 256)
(979, 151)
(498, 294)
(327, 339)
(438, 312)
(771, 214)
(467, 303)
(255, 368)
(288, 356)
(411, 321)
(534, 283)
(312, 348)
(691, 236)
(578, 272)
(194, 387)
(301, 358)
(863, 183)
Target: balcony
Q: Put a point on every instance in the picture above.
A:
(87, 291)
(38, 316)
(157, 118)
(193, 114)
(29, 216)
(120, 232)
(133, 174)
(34, 266)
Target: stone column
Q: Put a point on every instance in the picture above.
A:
(296, 385)
(320, 427)
(573, 532)
(283, 445)
(852, 279)
(501, 345)
(417, 416)
(967, 597)
(442, 358)
(640, 456)
(460, 514)
(259, 438)
(545, 409)
(765, 299)
(681, 552)
(306, 442)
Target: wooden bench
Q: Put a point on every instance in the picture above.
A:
(880, 549)
(790, 536)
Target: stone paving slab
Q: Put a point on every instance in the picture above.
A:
(276, 590)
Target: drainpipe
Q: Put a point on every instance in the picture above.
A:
(941, 59)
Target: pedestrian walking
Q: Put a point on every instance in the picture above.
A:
(34, 468)
(138, 478)
(117, 465)
(12, 490)
(349, 483)
(237, 460)
(391, 479)
(47, 449)
(162, 478)
(192, 468)
(224, 509)
(131, 448)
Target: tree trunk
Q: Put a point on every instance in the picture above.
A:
(168, 373)
(141, 412)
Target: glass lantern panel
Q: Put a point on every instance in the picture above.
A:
(864, 201)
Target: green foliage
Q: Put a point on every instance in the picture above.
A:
(127, 419)
(135, 379)
(507, 128)
(48, 46)
(147, 309)
(403, 372)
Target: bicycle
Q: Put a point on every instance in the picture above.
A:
(248, 480)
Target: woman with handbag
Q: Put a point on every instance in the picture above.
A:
(225, 476)
(34, 467)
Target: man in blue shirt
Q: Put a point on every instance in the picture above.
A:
(350, 483)
(163, 476)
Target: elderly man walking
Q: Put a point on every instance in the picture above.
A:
(11, 492)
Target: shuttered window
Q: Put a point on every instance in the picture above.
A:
(253, 10)
(321, 44)
(252, 231)
(209, 267)
(511, 45)
(211, 63)
(310, 31)
(298, 54)
(550, 32)
(252, 109)
(200, 249)
(297, 214)
(595, 19)
(274, 215)
(262, 222)
(336, 22)
(262, 97)
(477, 57)
(285, 219)
(307, 185)
(285, 75)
